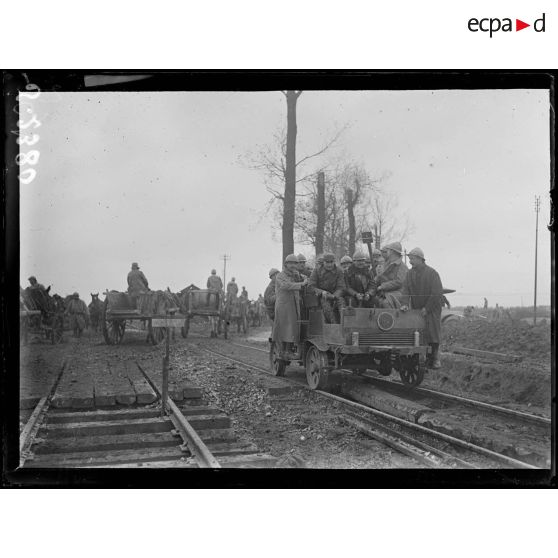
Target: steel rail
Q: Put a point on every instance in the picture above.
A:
(418, 443)
(527, 417)
(34, 422)
(413, 426)
(419, 428)
(191, 439)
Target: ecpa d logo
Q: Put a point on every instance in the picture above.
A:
(492, 25)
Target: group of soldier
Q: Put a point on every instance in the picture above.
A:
(383, 281)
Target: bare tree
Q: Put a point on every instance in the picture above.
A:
(282, 171)
(290, 174)
(353, 202)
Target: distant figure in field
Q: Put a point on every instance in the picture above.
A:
(485, 303)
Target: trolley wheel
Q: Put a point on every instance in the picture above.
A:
(316, 368)
(276, 363)
(156, 334)
(386, 365)
(185, 328)
(412, 372)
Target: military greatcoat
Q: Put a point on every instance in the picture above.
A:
(422, 288)
(287, 307)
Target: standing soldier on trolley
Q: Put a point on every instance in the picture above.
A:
(286, 333)
(422, 290)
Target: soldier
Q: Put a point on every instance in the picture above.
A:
(232, 289)
(137, 281)
(345, 263)
(78, 313)
(269, 294)
(287, 307)
(328, 283)
(360, 285)
(422, 290)
(303, 269)
(390, 281)
(214, 283)
(244, 293)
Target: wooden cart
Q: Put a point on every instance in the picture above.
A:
(120, 308)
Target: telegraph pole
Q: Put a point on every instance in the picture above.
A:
(537, 208)
(225, 257)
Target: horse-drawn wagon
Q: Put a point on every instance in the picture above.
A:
(236, 311)
(40, 314)
(207, 303)
(121, 308)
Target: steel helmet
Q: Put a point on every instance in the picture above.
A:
(358, 255)
(273, 271)
(416, 252)
(32, 278)
(329, 257)
(376, 252)
(346, 259)
(291, 258)
(395, 246)
(301, 258)
(75, 295)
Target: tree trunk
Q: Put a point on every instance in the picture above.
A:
(352, 225)
(320, 225)
(290, 175)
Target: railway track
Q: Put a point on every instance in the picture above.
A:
(441, 396)
(428, 446)
(194, 435)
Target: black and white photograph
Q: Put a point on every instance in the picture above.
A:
(217, 271)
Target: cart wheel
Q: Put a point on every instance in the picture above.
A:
(156, 334)
(316, 368)
(276, 364)
(113, 330)
(412, 372)
(185, 328)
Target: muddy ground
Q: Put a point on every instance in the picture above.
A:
(297, 426)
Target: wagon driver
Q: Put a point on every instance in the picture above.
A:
(137, 282)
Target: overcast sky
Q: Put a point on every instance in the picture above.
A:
(155, 178)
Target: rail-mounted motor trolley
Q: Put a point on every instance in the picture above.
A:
(204, 302)
(120, 308)
(381, 339)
